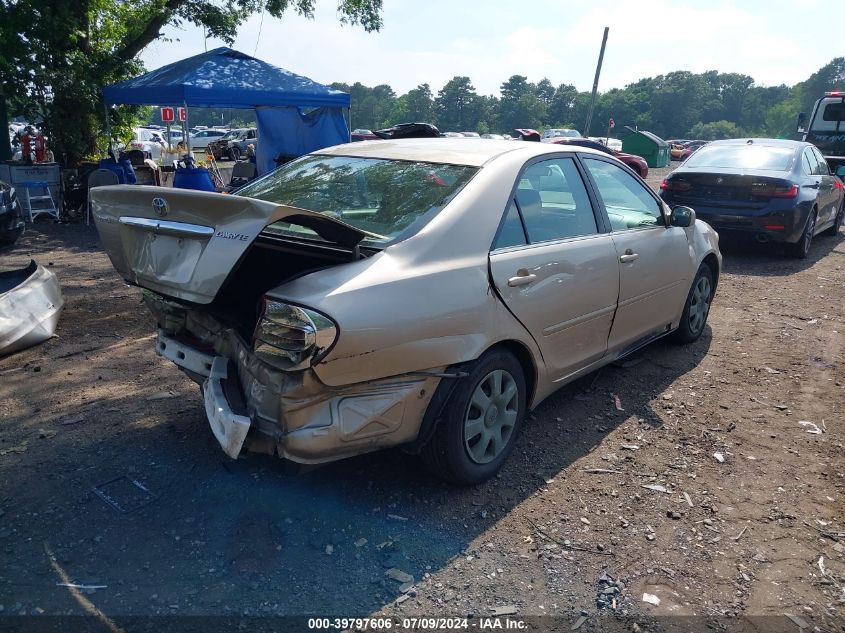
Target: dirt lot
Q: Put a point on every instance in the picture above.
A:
(635, 494)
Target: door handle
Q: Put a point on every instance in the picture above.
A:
(629, 256)
(523, 278)
(813, 186)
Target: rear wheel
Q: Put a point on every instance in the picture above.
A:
(838, 221)
(480, 421)
(801, 248)
(697, 306)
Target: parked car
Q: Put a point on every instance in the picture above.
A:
(233, 144)
(637, 163)
(303, 304)
(609, 141)
(151, 142)
(11, 215)
(452, 135)
(496, 137)
(471, 134)
(408, 130)
(202, 138)
(552, 134)
(767, 189)
(691, 148)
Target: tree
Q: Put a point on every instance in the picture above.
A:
(420, 103)
(715, 131)
(457, 105)
(56, 55)
(519, 106)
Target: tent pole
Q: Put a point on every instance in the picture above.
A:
(108, 126)
(349, 112)
(185, 128)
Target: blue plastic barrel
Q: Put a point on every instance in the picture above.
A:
(193, 178)
(131, 179)
(108, 163)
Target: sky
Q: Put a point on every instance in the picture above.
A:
(431, 41)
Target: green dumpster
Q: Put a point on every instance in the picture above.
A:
(650, 146)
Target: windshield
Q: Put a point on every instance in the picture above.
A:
(743, 156)
(389, 199)
(230, 135)
(567, 133)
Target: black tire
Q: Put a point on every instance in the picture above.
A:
(801, 248)
(447, 454)
(833, 230)
(692, 320)
(234, 153)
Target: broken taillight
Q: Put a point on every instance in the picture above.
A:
(292, 337)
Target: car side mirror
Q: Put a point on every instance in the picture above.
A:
(682, 217)
(802, 119)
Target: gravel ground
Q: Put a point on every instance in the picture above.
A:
(596, 507)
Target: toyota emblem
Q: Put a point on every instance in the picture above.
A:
(160, 207)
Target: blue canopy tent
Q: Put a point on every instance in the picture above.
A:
(295, 114)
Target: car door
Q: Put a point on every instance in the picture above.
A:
(828, 194)
(655, 269)
(555, 266)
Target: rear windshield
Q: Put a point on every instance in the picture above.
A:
(743, 156)
(388, 199)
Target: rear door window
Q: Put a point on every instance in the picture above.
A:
(553, 201)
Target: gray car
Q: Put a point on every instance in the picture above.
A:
(422, 293)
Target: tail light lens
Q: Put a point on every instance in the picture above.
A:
(675, 185)
(768, 190)
(291, 337)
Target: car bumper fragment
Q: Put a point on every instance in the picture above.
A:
(229, 425)
(184, 356)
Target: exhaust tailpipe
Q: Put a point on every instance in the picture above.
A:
(762, 238)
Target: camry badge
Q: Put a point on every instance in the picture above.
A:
(160, 207)
(719, 181)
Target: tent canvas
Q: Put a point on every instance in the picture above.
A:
(226, 78)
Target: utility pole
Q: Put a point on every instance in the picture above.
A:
(596, 83)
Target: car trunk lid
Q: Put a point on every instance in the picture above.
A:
(184, 244)
(749, 191)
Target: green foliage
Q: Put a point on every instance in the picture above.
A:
(715, 131)
(56, 55)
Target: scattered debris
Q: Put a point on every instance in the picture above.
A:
(810, 427)
(719, 458)
(396, 517)
(164, 395)
(398, 575)
(74, 585)
(688, 499)
(124, 494)
(655, 487)
(617, 402)
(46, 434)
(673, 515)
(585, 521)
(577, 624)
(651, 599)
(360, 542)
(630, 447)
(330, 549)
(72, 420)
(739, 536)
(20, 448)
(507, 610)
(602, 471)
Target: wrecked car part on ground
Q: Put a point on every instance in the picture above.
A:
(30, 304)
(422, 293)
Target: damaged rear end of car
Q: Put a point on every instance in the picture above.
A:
(215, 272)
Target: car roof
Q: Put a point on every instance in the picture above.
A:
(472, 152)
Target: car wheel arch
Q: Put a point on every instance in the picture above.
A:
(444, 390)
(713, 264)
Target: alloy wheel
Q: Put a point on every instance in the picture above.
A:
(700, 305)
(491, 416)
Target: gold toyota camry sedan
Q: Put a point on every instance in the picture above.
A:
(422, 293)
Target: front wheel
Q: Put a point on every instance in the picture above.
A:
(234, 153)
(801, 248)
(838, 221)
(480, 421)
(697, 306)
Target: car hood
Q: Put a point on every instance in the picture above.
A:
(184, 243)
